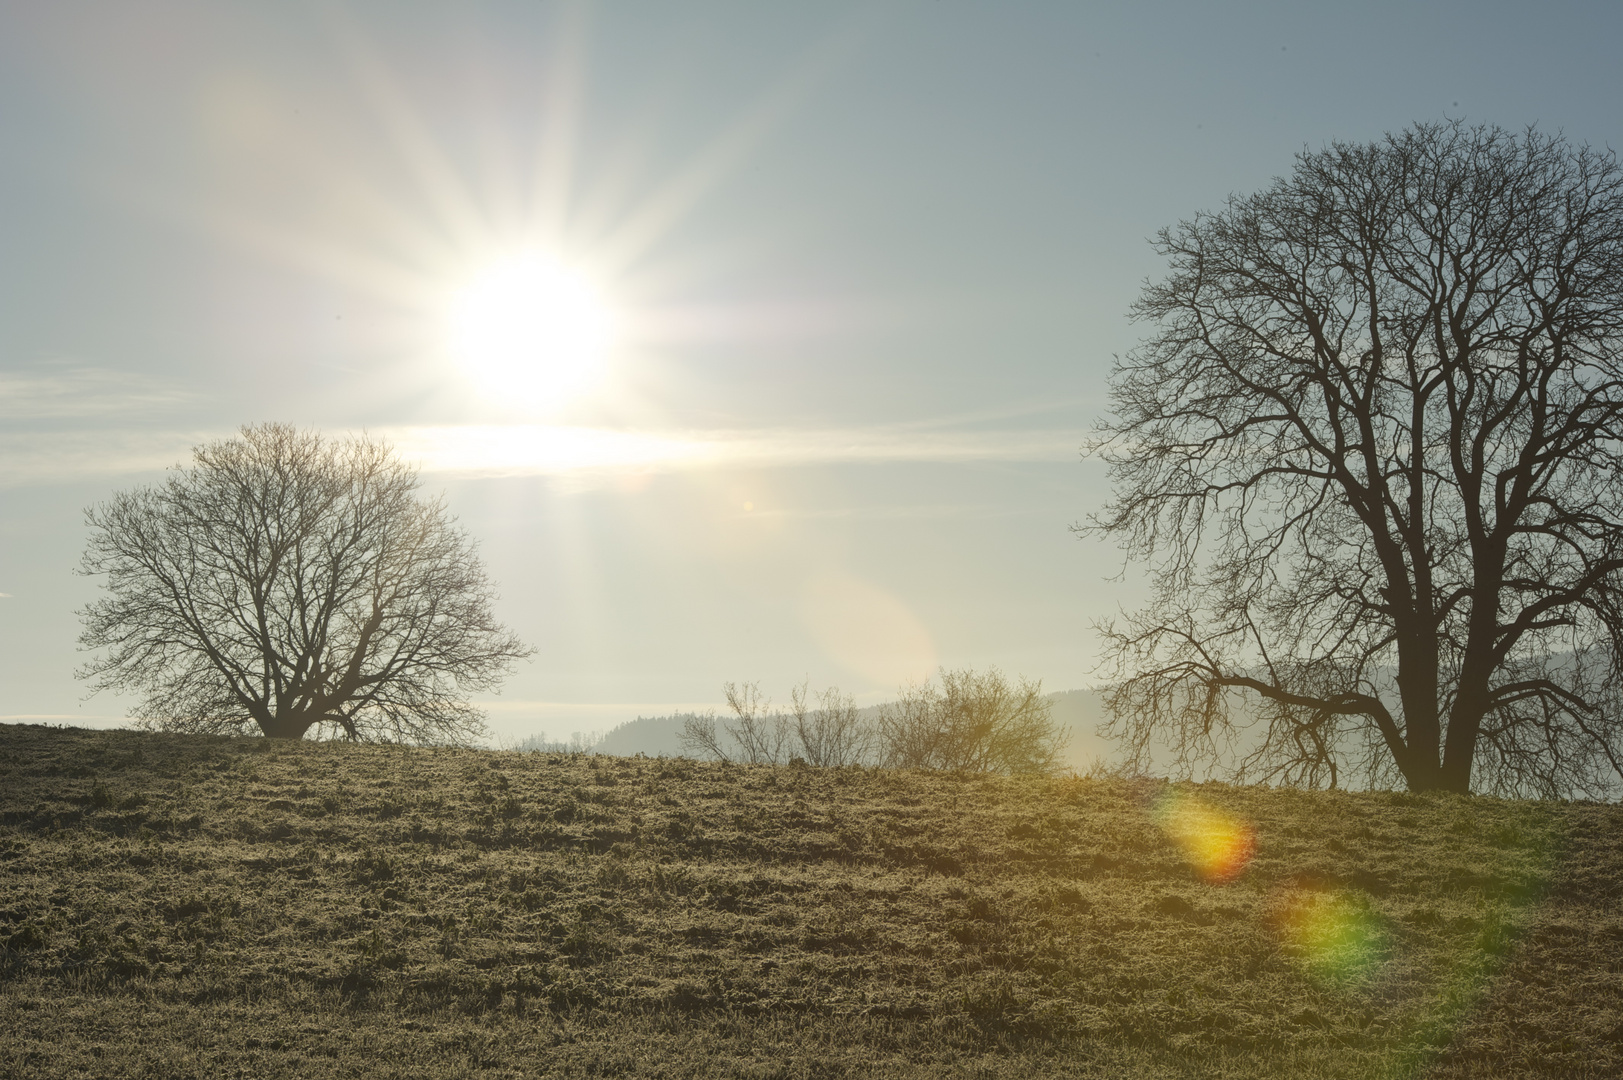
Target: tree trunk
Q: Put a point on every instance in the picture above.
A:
(1422, 727)
(1464, 726)
(285, 727)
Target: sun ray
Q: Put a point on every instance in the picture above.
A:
(411, 223)
(645, 224)
(557, 142)
(437, 178)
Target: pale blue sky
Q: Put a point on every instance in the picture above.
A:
(871, 263)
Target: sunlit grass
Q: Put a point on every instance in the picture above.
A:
(1336, 934)
(312, 910)
(1218, 845)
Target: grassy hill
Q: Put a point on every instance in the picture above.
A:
(177, 906)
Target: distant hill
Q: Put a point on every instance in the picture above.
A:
(660, 736)
(655, 736)
(1082, 711)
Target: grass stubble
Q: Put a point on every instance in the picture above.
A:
(177, 906)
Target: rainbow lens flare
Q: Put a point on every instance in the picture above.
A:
(1219, 845)
(1336, 934)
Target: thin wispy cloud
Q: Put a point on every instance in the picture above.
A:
(612, 712)
(542, 450)
(55, 457)
(68, 392)
(904, 512)
(534, 450)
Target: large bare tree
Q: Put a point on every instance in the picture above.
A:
(1372, 452)
(286, 582)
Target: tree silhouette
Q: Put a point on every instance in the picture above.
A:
(287, 583)
(1373, 455)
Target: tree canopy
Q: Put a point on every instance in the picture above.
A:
(286, 582)
(1372, 453)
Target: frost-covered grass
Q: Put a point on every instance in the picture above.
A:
(175, 906)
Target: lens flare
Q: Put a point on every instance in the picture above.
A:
(1336, 934)
(1219, 845)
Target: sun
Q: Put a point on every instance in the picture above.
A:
(530, 330)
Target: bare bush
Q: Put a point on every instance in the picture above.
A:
(833, 734)
(700, 738)
(975, 722)
(579, 742)
(755, 735)
(760, 734)
(962, 720)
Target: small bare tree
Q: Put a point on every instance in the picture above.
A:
(699, 736)
(976, 722)
(755, 736)
(760, 734)
(286, 583)
(832, 734)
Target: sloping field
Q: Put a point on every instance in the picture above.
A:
(177, 906)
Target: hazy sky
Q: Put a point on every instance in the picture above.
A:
(859, 272)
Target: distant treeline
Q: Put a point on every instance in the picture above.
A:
(1077, 713)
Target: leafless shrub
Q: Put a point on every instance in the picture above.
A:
(760, 734)
(579, 742)
(832, 734)
(700, 738)
(755, 736)
(976, 722)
